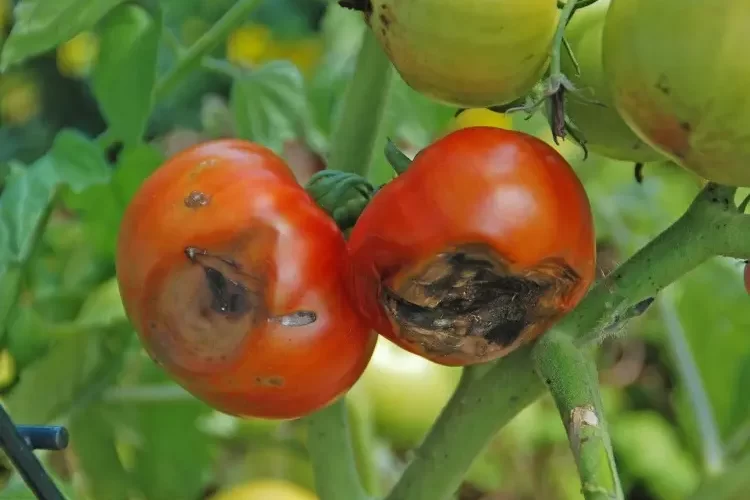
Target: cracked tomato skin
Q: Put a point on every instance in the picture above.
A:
(236, 281)
(484, 220)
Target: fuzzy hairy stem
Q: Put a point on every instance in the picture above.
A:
(711, 226)
(572, 379)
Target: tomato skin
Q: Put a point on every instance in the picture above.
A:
(680, 85)
(747, 277)
(470, 53)
(217, 247)
(404, 416)
(265, 489)
(479, 117)
(604, 130)
(506, 190)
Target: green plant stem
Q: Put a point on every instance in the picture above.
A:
(573, 381)
(363, 439)
(333, 460)
(708, 431)
(732, 484)
(711, 226)
(352, 150)
(356, 133)
(191, 58)
(557, 41)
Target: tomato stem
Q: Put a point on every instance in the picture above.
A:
(572, 379)
(331, 452)
(353, 141)
(191, 57)
(711, 226)
(351, 151)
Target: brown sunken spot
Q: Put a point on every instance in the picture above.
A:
(197, 199)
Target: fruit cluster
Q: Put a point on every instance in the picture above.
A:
(251, 297)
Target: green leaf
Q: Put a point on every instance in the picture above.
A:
(649, 449)
(83, 358)
(715, 317)
(26, 202)
(102, 206)
(124, 76)
(133, 167)
(40, 25)
(170, 451)
(94, 443)
(270, 105)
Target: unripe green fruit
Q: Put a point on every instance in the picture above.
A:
(678, 75)
(592, 110)
(468, 53)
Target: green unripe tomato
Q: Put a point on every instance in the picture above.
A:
(676, 72)
(602, 126)
(468, 53)
(407, 392)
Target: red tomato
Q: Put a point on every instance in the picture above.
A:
(483, 244)
(236, 283)
(747, 277)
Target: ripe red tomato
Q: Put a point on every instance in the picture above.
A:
(747, 277)
(236, 283)
(482, 244)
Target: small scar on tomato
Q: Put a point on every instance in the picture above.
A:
(469, 304)
(272, 381)
(197, 199)
(297, 318)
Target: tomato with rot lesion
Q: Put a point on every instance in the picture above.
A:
(236, 283)
(478, 248)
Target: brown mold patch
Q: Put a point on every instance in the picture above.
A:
(470, 304)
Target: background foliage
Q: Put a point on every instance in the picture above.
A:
(69, 355)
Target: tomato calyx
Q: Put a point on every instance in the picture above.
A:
(469, 303)
(343, 195)
(551, 91)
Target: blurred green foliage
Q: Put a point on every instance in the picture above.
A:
(70, 356)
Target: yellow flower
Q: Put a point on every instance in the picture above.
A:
(76, 56)
(20, 100)
(247, 45)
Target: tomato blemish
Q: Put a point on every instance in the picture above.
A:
(272, 381)
(197, 199)
(470, 303)
(297, 318)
